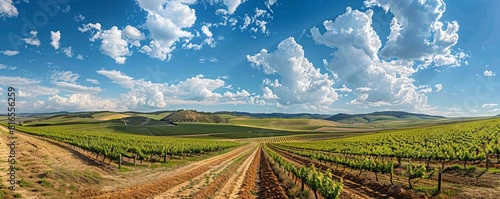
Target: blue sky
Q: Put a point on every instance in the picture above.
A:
(350, 56)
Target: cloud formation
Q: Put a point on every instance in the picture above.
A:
(300, 84)
(356, 62)
(55, 37)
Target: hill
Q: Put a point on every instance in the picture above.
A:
(381, 116)
(193, 116)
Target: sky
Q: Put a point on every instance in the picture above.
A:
(306, 56)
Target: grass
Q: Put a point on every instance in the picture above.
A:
(284, 123)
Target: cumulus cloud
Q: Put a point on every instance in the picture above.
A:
(9, 52)
(231, 5)
(194, 90)
(301, 83)
(3, 66)
(166, 21)
(78, 101)
(68, 52)
(417, 32)
(489, 73)
(377, 82)
(439, 87)
(55, 37)
(114, 42)
(33, 40)
(7, 9)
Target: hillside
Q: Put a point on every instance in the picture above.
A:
(381, 116)
(193, 116)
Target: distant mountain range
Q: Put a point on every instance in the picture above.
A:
(379, 116)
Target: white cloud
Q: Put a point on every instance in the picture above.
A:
(301, 83)
(55, 37)
(114, 42)
(66, 76)
(202, 60)
(114, 45)
(231, 5)
(22, 93)
(194, 90)
(9, 52)
(80, 57)
(389, 83)
(29, 85)
(79, 101)
(439, 87)
(489, 105)
(489, 73)
(7, 9)
(206, 31)
(207, 41)
(2, 66)
(133, 35)
(66, 80)
(68, 52)
(417, 32)
(1, 91)
(76, 88)
(166, 22)
(93, 81)
(33, 40)
(257, 23)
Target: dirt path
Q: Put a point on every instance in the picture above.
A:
(145, 122)
(175, 177)
(188, 188)
(271, 188)
(249, 187)
(234, 184)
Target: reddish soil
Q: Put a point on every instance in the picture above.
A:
(221, 180)
(158, 186)
(271, 187)
(249, 186)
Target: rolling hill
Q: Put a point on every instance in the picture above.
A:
(193, 116)
(381, 117)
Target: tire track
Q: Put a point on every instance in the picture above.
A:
(188, 188)
(234, 184)
(152, 188)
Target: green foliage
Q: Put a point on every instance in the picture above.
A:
(318, 181)
(113, 146)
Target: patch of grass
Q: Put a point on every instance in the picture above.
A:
(45, 183)
(73, 188)
(17, 195)
(427, 190)
(24, 183)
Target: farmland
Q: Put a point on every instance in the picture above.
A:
(134, 155)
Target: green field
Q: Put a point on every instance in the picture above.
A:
(285, 124)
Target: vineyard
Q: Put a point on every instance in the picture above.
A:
(429, 162)
(142, 148)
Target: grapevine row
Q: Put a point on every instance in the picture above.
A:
(318, 181)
